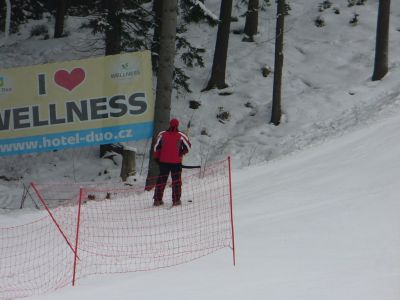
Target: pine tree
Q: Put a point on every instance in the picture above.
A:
(251, 25)
(60, 15)
(190, 55)
(155, 46)
(22, 11)
(382, 41)
(221, 47)
(194, 12)
(276, 98)
(134, 23)
(113, 31)
(164, 79)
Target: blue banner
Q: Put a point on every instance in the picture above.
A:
(72, 139)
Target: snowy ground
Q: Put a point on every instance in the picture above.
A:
(320, 223)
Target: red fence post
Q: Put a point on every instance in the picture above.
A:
(77, 234)
(231, 207)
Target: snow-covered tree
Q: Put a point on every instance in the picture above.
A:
(196, 11)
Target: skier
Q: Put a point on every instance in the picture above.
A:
(170, 147)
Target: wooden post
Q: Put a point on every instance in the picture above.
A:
(128, 167)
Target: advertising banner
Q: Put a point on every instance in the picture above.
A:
(93, 101)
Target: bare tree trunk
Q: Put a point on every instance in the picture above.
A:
(221, 47)
(164, 80)
(251, 25)
(155, 47)
(113, 33)
(276, 98)
(382, 41)
(60, 15)
(113, 43)
(7, 25)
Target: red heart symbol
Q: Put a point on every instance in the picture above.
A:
(68, 80)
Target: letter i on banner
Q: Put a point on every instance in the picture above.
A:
(41, 84)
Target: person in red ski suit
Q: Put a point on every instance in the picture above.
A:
(170, 147)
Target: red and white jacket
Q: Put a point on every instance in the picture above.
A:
(171, 146)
